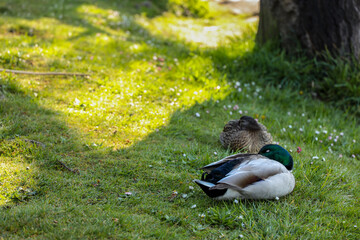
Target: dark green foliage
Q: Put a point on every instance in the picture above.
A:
(333, 80)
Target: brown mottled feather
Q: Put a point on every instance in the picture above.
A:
(238, 137)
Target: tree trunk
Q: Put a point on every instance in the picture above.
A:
(313, 25)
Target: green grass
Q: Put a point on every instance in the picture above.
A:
(148, 117)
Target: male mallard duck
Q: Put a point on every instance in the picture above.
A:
(265, 175)
(245, 133)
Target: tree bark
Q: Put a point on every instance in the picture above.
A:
(313, 25)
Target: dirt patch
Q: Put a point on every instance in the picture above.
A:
(241, 6)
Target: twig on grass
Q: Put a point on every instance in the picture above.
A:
(37, 143)
(76, 171)
(43, 73)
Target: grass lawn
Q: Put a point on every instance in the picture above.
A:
(139, 127)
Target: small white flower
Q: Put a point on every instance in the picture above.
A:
(301, 129)
(239, 89)
(317, 132)
(175, 192)
(193, 206)
(184, 155)
(290, 126)
(316, 138)
(240, 217)
(215, 153)
(184, 195)
(311, 163)
(202, 215)
(243, 225)
(236, 201)
(324, 131)
(76, 102)
(354, 141)
(230, 113)
(277, 198)
(191, 187)
(323, 159)
(283, 129)
(237, 84)
(197, 114)
(289, 113)
(353, 156)
(340, 155)
(195, 93)
(303, 114)
(309, 120)
(341, 134)
(241, 236)
(241, 112)
(315, 157)
(229, 106)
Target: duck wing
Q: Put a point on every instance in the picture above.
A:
(250, 174)
(240, 158)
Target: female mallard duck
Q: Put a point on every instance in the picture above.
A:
(265, 175)
(246, 134)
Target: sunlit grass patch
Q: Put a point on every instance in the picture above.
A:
(206, 32)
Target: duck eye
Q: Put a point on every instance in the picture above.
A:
(267, 150)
